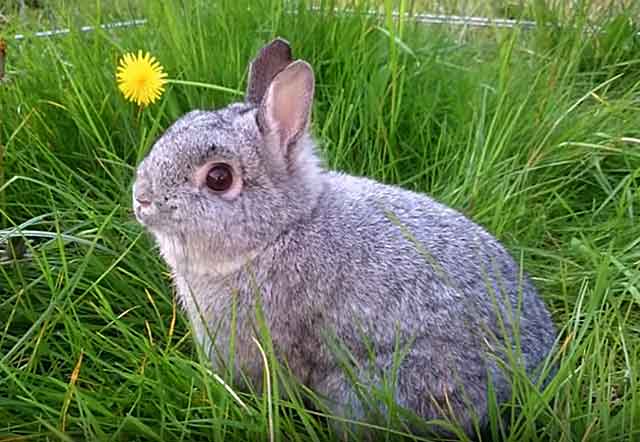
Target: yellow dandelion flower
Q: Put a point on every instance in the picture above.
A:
(140, 78)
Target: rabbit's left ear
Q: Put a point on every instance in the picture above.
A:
(286, 106)
(271, 59)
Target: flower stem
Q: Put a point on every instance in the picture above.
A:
(206, 85)
(138, 114)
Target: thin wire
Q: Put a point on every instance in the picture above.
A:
(421, 18)
(65, 31)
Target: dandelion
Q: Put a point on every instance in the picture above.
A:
(140, 78)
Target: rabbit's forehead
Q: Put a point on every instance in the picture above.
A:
(199, 136)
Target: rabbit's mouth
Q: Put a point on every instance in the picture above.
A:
(145, 210)
(150, 212)
(152, 215)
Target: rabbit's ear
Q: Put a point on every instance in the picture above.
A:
(286, 107)
(271, 59)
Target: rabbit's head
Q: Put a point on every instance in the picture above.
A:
(218, 186)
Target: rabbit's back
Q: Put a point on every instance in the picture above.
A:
(382, 266)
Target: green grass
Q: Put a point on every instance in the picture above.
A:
(534, 135)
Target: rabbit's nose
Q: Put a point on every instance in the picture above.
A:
(142, 193)
(143, 201)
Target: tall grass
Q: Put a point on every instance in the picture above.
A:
(534, 135)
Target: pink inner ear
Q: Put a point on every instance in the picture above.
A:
(287, 103)
(287, 112)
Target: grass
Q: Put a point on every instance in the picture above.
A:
(534, 135)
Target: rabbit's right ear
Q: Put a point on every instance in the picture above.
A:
(271, 59)
(286, 106)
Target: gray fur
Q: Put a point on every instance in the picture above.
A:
(329, 252)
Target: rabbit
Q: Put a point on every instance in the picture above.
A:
(245, 213)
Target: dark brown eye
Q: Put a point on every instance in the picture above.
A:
(220, 177)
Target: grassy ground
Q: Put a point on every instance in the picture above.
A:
(534, 135)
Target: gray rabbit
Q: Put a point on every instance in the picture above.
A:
(243, 212)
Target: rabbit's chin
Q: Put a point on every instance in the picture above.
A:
(153, 220)
(196, 258)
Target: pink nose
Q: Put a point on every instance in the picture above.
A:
(144, 202)
(142, 193)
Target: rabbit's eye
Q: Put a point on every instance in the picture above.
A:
(220, 177)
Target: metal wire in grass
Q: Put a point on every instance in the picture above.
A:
(66, 31)
(422, 18)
